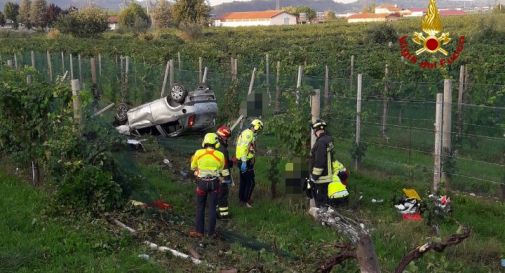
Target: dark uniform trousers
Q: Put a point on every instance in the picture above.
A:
(247, 182)
(206, 189)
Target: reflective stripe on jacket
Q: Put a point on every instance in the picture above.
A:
(321, 159)
(245, 145)
(208, 163)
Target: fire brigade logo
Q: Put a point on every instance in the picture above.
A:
(433, 42)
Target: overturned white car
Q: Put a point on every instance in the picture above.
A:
(178, 113)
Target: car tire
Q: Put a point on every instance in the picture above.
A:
(122, 113)
(178, 93)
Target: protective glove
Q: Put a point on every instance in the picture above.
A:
(243, 167)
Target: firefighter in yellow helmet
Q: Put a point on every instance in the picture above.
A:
(208, 164)
(245, 154)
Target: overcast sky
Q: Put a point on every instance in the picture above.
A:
(217, 2)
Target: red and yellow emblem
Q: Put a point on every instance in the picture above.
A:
(432, 26)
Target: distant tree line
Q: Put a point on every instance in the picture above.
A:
(92, 21)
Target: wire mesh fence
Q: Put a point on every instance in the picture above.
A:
(397, 117)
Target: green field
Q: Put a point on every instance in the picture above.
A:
(39, 234)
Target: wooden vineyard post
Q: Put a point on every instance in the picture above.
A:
(438, 140)
(62, 63)
(251, 83)
(49, 66)
(352, 73)
(385, 103)
(16, 61)
(267, 72)
(232, 62)
(277, 88)
(358, 117)
(200, 67)
(171, 70)
(204, 78)
(71, 67)
(9, 63)
(29, 79)
(165, 78)
(446, 130)
(179, 61)
(299, 83)
(326, 88)
(315, 102)
(461, 90)
(100, 65)
(76, 102)
(94, 86)
(235, 67)
(32, 54)
(80, 69)
(127, 70)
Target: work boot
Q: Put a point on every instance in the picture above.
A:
(248, 205)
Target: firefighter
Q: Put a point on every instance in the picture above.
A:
(245, 154)
(321, 157)
(224, 133)
(208, 164)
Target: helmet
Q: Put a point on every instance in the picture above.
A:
(319, 124)
(224, 132)
(211, 139)
(257, 124)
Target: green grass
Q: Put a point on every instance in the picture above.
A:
(281, 235)
(32, 242)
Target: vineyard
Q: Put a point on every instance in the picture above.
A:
(346, 63)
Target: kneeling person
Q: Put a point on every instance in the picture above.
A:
(337, 189)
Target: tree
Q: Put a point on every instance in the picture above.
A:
(329, 15)
(88, 22)
(162, 16)
(191, 12)
(311, 14)
(11, 11)
(134, 17)
(53, 11)
(24, 13)
(2, 19)
(38, 12)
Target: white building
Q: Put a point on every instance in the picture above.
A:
(255, 18)
(387, 9)
(372, 17)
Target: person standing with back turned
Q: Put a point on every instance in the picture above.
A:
(321, 158)
(245, 154)
(208, 164)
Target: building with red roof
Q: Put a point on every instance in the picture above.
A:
(255, 18)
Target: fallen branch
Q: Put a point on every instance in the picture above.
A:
(419, 251)
(348, 253)
(154, 246)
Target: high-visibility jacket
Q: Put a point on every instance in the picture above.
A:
(337, 189)
(321, 159)
(208, 163)
(245, 145)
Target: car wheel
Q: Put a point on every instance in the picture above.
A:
(178, 93)
(122, 111)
